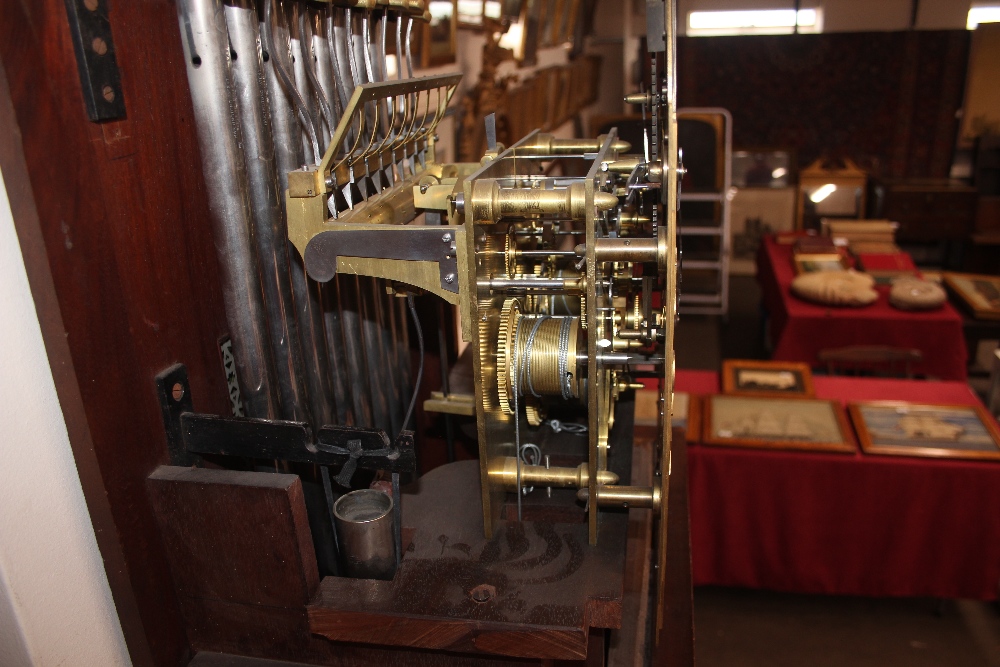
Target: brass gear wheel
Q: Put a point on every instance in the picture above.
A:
(535, 412)
(484, 354)
(509, 315)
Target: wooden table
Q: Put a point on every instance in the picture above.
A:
(845, 524)
(799, 329)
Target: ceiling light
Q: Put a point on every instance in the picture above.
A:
(754, 22)
(983, 14)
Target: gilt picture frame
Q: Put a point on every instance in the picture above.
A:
(979, 293)
(898, 428)
(760, 422)
(752, 377)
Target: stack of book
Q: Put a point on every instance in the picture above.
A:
(817, 253)
(864, 236)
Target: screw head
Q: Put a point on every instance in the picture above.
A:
(177, 391)
(100, 46)
(483, 593)
(109, 93)
(450, 278)
(446, 238)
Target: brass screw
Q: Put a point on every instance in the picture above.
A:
(90, 4)
(177, 391)
(109, 93)
(100, 46)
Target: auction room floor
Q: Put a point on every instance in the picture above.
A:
(746, 628)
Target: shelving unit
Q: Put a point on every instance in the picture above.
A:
(705, 136)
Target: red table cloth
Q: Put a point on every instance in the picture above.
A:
(799, 329)
(845, 524)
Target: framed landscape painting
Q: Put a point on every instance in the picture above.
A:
(916, 429)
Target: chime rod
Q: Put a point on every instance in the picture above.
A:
(270, 231)
(206, 52)
(288, 152)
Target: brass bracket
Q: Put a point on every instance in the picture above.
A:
(452, 404)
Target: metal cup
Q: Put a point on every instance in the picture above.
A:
(365, 534)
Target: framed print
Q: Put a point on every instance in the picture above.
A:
(980, 294)
(750, 377)
(436, 39)
(567, 21)
(917, 429)
(530, 27)
(471, 13)
(805, 424)
(547, 21)
(687, 415)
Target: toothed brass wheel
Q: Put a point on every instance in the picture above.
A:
(509, 315)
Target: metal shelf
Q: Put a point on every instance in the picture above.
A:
(703, 196)
(710, 303)
(705, 299)
(700, 231)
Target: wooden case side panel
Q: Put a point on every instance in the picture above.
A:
(235, 536)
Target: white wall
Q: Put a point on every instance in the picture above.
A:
(55, 603)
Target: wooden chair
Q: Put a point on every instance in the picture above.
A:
(871, 360)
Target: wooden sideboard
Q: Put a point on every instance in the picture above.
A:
(927, 210)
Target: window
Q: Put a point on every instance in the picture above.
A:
(982, 14)
(754, 22)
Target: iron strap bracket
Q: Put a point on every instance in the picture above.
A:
(411, 243)
(100, 78)
(191, 435)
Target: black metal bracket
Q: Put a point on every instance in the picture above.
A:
(100, 77)
(191, 435)
(414, 243)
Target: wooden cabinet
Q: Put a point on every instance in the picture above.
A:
(927, 210)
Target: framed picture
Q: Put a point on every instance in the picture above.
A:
(687, 415)
(471, 13)
(807, 262)
(805, 424)
(750, 377)
(981, 294)
(546, 22)
(530, 29)
(566, 21)
(435, 41)
(914, 429)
